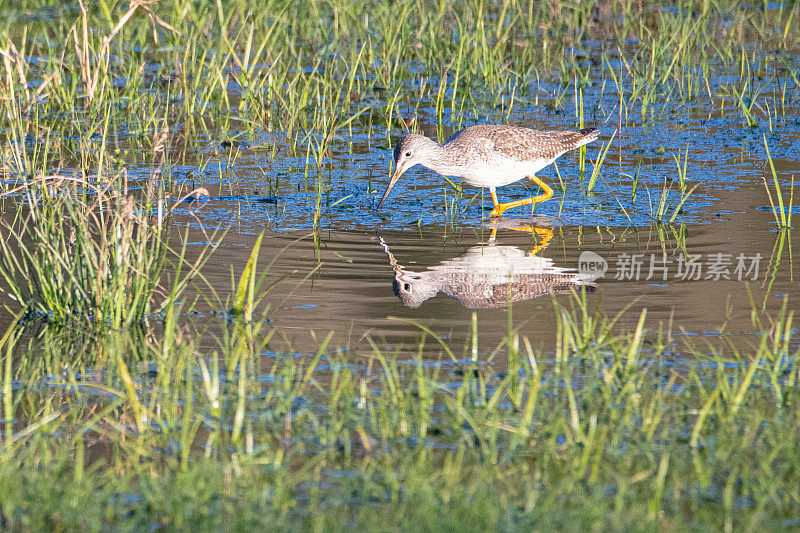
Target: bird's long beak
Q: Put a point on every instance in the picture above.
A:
(395, 176)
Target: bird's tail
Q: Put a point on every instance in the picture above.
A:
(585, 136)
(570, 140)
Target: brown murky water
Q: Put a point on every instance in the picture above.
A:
(695, 277)
(386, 284)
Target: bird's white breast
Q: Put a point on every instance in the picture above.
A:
(502, 172)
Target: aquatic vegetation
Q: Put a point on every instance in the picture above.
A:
(66, 257)
(140, 391)
(614, 428)
(312, 72)
(782, 214)
(660, 212)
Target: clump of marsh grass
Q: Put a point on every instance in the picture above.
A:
(661, 212)
(86, 250)
(82, 246)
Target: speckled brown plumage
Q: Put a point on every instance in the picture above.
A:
(488, 155)
(523, 287)
(485, 277)
(520, 144)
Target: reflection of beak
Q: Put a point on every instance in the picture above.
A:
(395, 176)
(397, 267)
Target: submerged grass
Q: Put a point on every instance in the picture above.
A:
(607, 433)
(782, 214)
(660, 213)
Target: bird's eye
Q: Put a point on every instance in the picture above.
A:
(406, 287)
(408, 154)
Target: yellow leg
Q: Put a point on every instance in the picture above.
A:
(495, 211)
(499, 208)
(544, 235)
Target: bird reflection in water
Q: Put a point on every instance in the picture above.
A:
(488, 276)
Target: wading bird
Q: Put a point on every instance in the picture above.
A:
(490, 156)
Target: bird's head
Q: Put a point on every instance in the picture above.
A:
(410, 150)
(413, 288)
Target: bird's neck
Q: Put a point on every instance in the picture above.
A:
(442, 160)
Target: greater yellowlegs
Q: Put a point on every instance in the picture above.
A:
(490, 156)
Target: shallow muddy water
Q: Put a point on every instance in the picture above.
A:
(350, 274)
(430, 229)
(354, 291)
